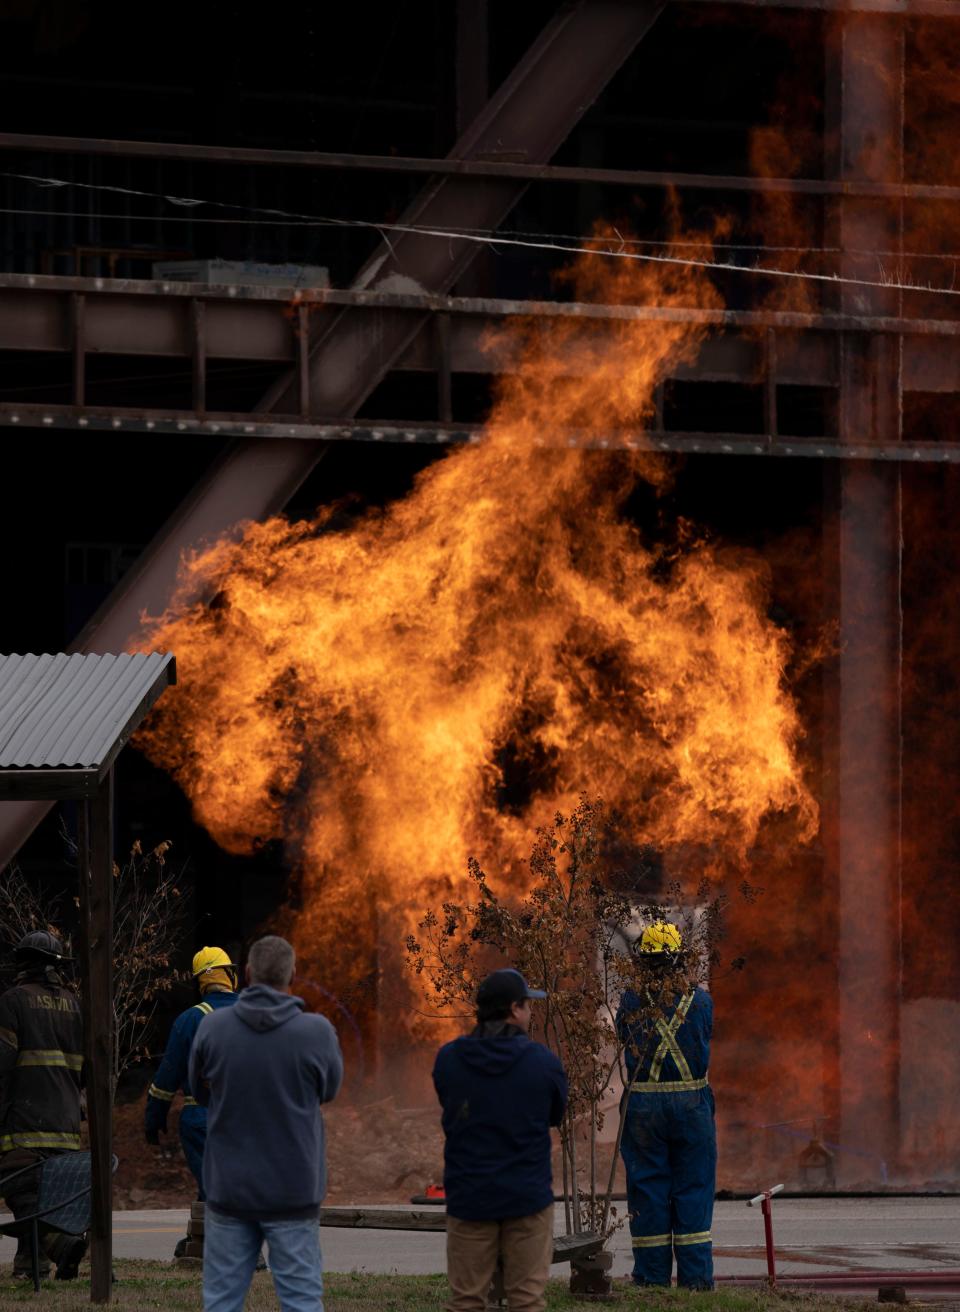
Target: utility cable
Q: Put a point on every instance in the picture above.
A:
(494, 240)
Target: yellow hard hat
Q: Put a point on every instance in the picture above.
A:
(210, 959)
(661, 937)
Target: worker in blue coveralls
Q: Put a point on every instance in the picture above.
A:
(669, 1144)
(216, 978)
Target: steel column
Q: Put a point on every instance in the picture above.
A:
(78, 307)
(870, 70)
(471, 58)
(198, 322)
(531, 113)
(96, 972)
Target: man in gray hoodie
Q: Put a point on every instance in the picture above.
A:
(263, 1067)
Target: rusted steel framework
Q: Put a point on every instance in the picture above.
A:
(868, 73)
(159, 423)
(334, 347)
(473, 168)
(903, 8)
(200, 324)
(535, 108)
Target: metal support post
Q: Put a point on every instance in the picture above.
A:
(198, 324)
(770, 394)
(78, 306)
(96, 969)
(766, 1207)
(444, 379)
(303, 358)
(868, 76)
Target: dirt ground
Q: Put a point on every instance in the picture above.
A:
(375, 1153)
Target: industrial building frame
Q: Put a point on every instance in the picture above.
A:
(337, 345)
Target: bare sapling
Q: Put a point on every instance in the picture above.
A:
(573, 933)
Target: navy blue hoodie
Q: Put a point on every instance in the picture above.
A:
(500, 1095)
(264, 1067)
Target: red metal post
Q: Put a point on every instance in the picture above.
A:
(766, 1206)
(767, 1210)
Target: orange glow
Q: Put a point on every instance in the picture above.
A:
(357, 691)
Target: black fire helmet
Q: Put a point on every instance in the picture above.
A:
(39, 945)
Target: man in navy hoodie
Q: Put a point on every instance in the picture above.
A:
(263, 1067)
(500, 1094)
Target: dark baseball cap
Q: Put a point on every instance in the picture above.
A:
(503, 987)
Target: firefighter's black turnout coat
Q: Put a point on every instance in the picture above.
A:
(41, 1064)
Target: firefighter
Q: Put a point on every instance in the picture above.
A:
(669, 1145)
(41, 1071)
(216, 978)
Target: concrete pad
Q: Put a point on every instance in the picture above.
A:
(812, 1236)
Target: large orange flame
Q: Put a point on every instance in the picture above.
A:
(357, 692)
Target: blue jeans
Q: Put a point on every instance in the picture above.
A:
(230, 1248)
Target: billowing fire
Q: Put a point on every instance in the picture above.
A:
(438, 678)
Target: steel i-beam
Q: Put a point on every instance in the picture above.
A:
(869, 72)
(532, 112)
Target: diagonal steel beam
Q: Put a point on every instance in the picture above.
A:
(544, 97)
(531, 114)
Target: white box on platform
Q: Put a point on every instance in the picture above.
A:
(242, 273)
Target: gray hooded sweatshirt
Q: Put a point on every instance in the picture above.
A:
(263, 1067)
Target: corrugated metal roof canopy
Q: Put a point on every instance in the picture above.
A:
(64, 718)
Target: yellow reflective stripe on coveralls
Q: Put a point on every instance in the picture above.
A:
(651, 1241)
(205, 1007)
(162, 1094)
(38, 1139)
(668, 1032)
(701, 1237)
(668, 1086)
(73, 1061)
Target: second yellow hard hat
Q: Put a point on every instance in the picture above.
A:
(661, 937)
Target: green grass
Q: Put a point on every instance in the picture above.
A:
(143, 1285)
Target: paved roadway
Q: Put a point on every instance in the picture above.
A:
(815, 1236)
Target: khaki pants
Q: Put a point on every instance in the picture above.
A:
(525, 1246)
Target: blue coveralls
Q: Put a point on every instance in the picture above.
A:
(172, 1075)
(669, 1145)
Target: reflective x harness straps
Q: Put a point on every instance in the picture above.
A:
(667, 1029)
(168, 1095)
